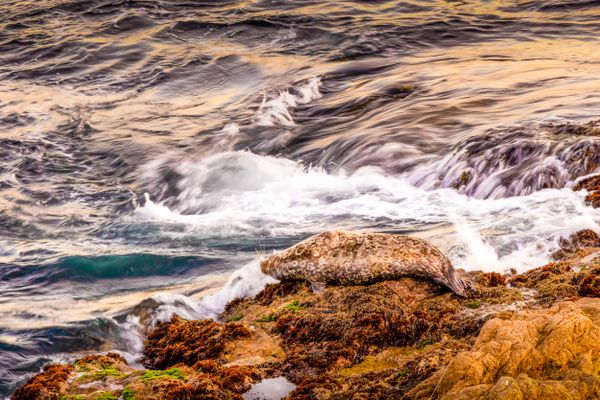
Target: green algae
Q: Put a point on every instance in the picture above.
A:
(151, 375)
(473, 304)
(236, 318)
(101, 374)
(127, 394)
(267, 318)
(424, 343)
(294, 306)
(106, 396)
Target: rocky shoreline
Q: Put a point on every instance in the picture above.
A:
(518, 336)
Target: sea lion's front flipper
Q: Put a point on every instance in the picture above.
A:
(317, 286)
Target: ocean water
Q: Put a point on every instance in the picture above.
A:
(152, 151)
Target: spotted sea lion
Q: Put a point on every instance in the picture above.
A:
(345, 258)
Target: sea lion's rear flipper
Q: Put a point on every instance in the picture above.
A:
(459, 285)
(317, 286)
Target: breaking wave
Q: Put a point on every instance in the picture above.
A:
(237, 194)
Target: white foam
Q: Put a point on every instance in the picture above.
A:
(132, 338)
(479, 254)
(245, 282)
(155, 211)
(240, 194)
(277, 110)
(231, 129)
(174, 303)
(227, 137)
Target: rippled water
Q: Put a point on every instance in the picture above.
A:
(253, 124)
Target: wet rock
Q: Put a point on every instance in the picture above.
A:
(495, 295)
(592, 185)
(564, 280)
(590, 285)
(490, 279)
(389, 374)
(49, 385)
(339, 327)
(194, 343)
(544, 353)
(110, 378)
(184, 383)
(590, 128)
(578, 242)
(515, 338)
(551, 283)
(100, 363)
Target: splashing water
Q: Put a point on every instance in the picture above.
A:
(248, 281)
(516, 162)
(277, 110)
(479, 254)
(253, 195)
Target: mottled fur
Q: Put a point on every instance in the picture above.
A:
(338, 257)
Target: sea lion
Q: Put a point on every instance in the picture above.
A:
(344, 258)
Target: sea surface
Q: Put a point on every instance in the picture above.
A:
(150, 148)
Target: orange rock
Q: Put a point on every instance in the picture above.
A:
(539, 354)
